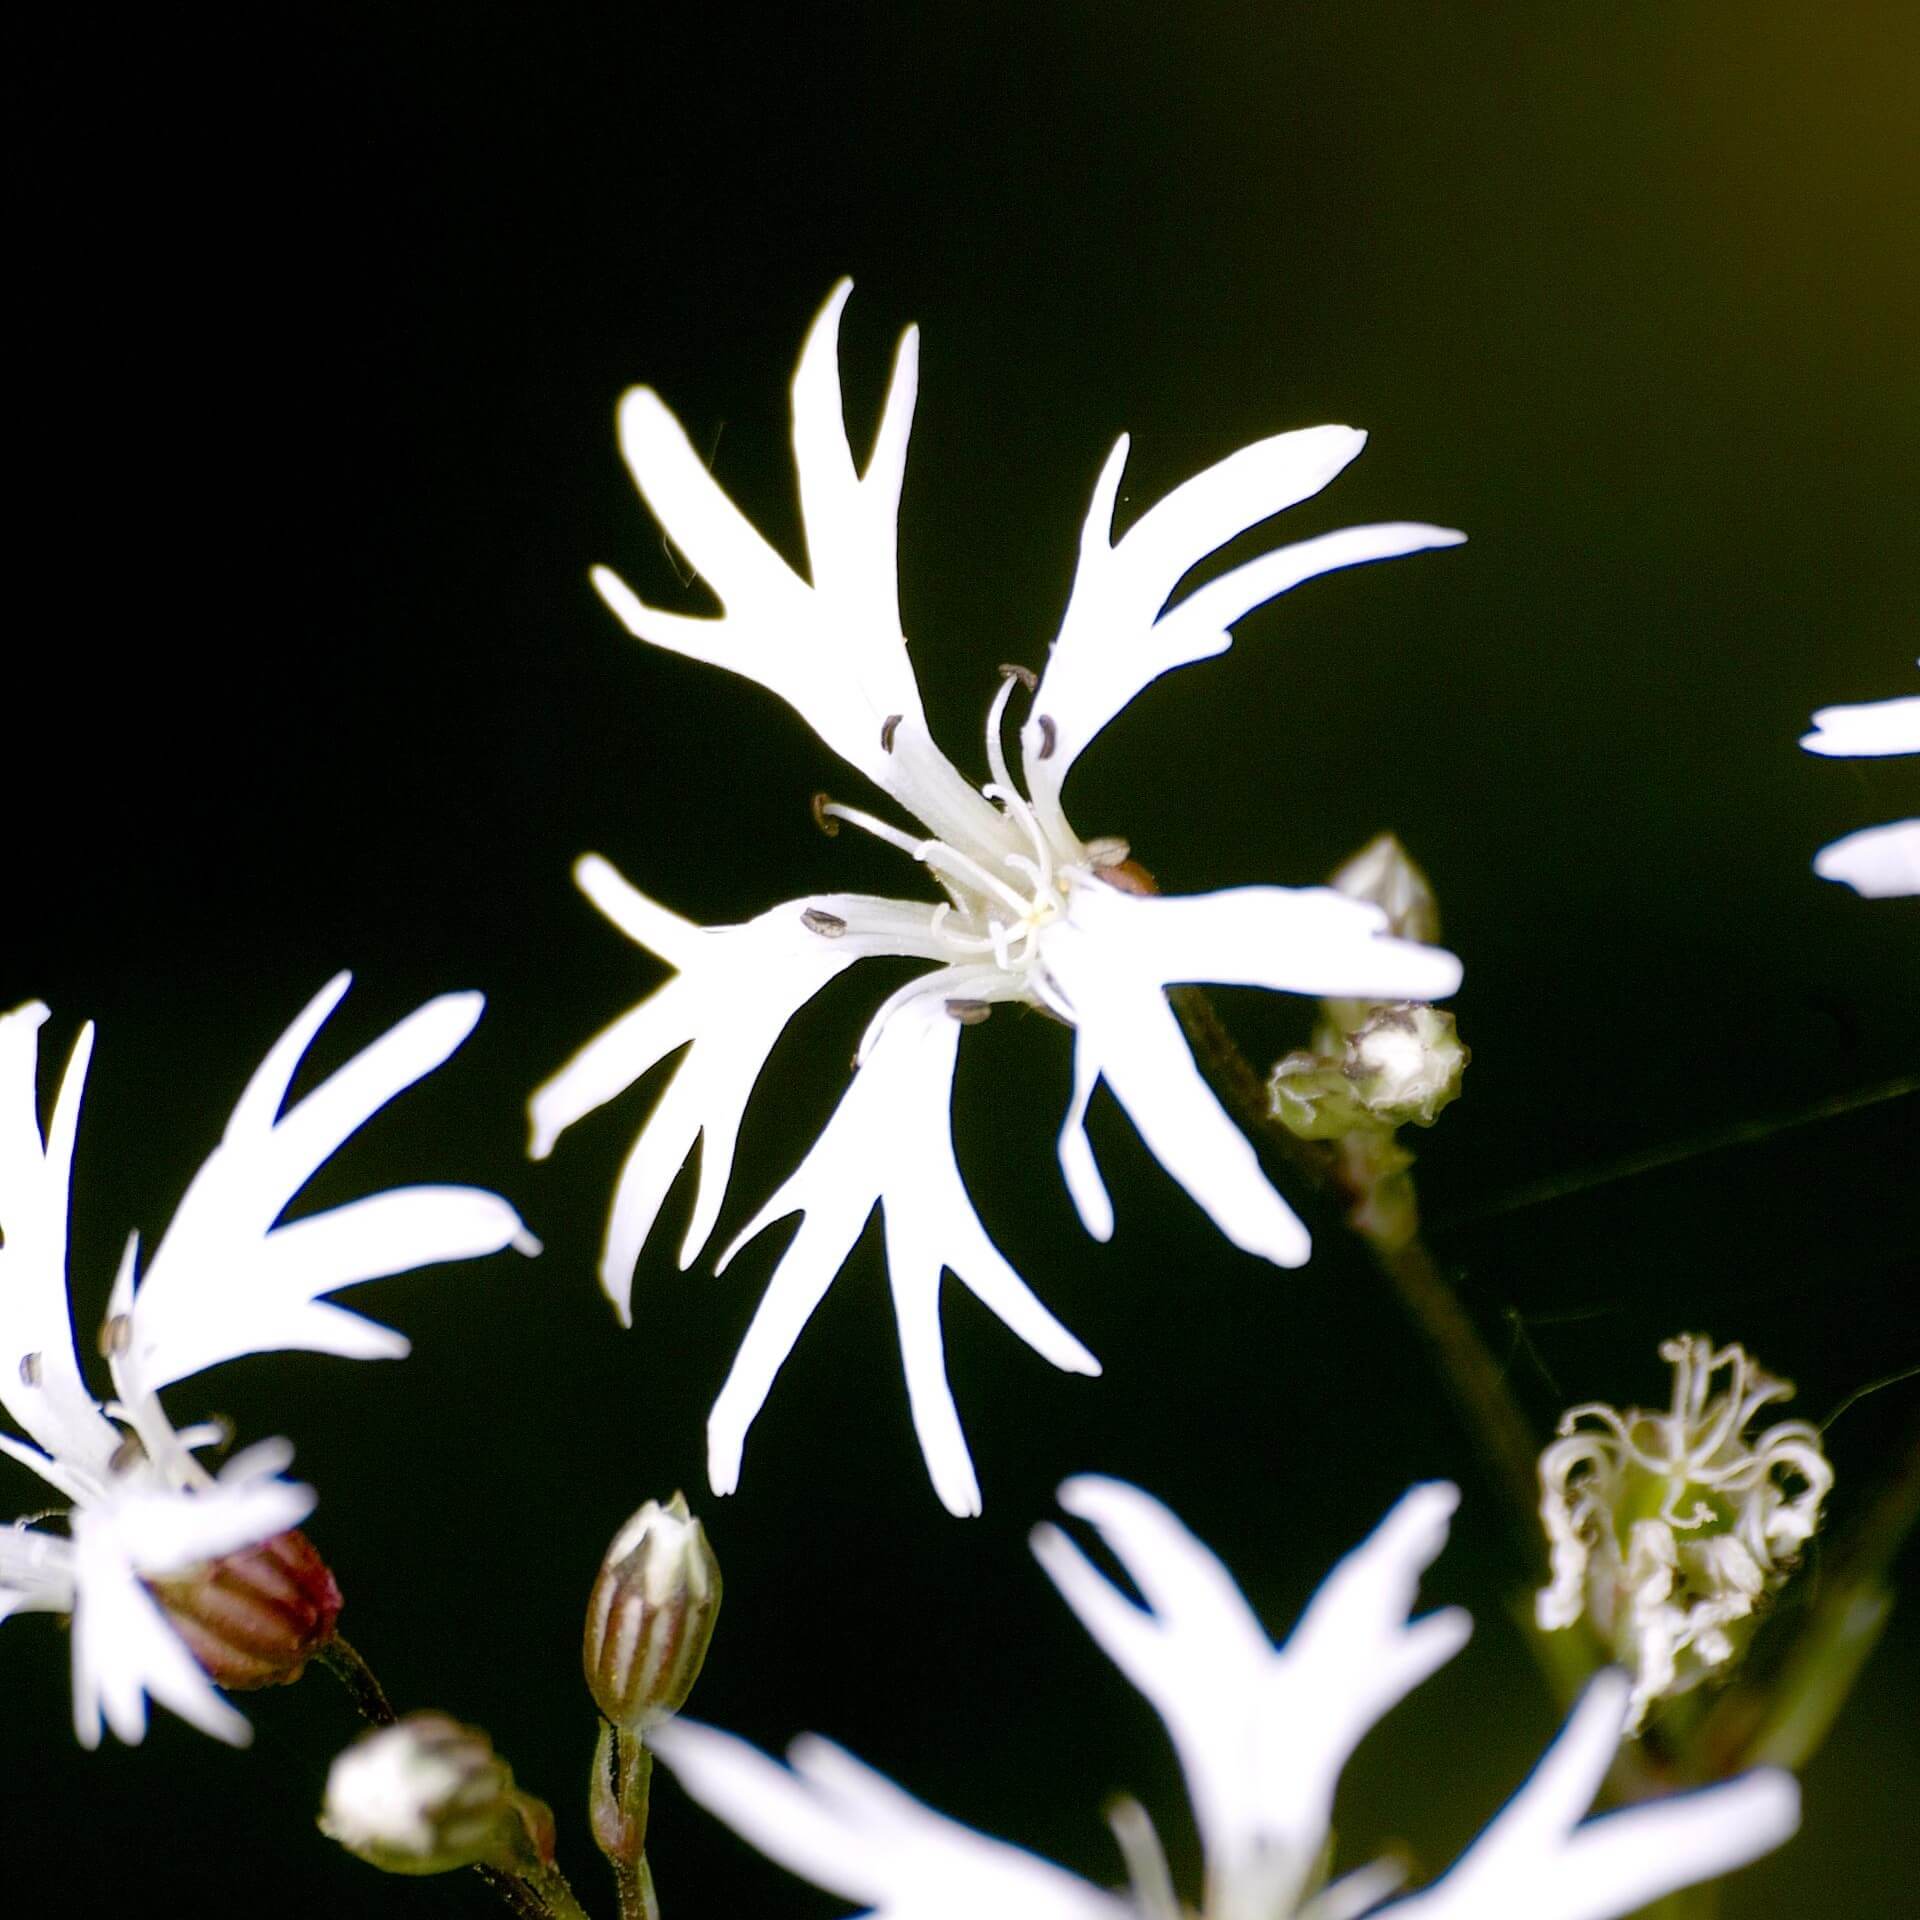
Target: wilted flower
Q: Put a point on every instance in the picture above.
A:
(1876, 861)
(146, 1517)
(650, 1616)
(1034, 915)
(1262, 1734)
(428, 1795)
(1668, 1529)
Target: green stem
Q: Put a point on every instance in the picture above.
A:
(1473, 1378)
(621, 1795)
(369, 1697)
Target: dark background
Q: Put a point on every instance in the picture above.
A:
(318, 326)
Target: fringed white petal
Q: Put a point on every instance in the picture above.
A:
(735, 992)
(1262, 1734)
(1879, 863)
(889, 1143)
(1132, 1040)
(41, 1385)
(1116, 639)
(834, 1821)
(831, 647)
(225, 1281)
(1537, 1862)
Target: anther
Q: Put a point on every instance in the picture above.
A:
(116, 1335)
(129, 1453)
(1025, 675)
(1049, 735)
(829, 926)
(969, 1012)
(29, 1369)
(821, 817)
(887, 728)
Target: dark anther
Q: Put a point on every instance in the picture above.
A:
(829, 926)
(969, 1012)
(29, 1369)
(821, 817)
(1025, 675)
(127, 1454)
(887, 727)
(116, 1336)
(1049, 735)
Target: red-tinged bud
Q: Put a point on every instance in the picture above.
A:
(651, 1616)
(255, 1618)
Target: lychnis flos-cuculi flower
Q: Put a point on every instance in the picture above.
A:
(1262, 1733)
(1033, 913)
(175, 1575)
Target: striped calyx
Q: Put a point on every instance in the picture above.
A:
(256, 1617)
(651, 1616)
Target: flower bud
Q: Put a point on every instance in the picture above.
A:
(256, 1617)
(427, 1795)
(651, 1616)
(1400, 1065)
(1669, 1530)
(1385, 873)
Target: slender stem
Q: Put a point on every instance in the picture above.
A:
(622, 1791)
(369, 1697)
(1473, 1377)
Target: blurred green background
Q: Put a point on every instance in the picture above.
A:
(320, 320)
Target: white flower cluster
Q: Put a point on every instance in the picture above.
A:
(224, 1280)
(1668, 1529)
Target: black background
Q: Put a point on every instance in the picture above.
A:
(319, 320)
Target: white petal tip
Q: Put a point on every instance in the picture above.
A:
(527, 1244)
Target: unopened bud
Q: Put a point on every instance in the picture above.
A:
(651, 1616)
(1398, 1067)
(428, 1795)
(256, 1617)
(1384, 873)
(1669, 1529)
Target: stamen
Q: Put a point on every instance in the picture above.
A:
(829, 926)
(887, 727)
(1108, 850)
(969, 1013)
(1146, 1860)
(116, 1336)
(1049, 735)
(129, 1453)
(823, 810)
(29, 1369)
(1025, 675)
(996, 753)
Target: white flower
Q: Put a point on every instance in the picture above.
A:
(1878, 862)
(225, 1280)
(1667, 1529)
(1262, 1734)
(1033, 915)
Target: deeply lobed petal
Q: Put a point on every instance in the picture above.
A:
(41, 1385)
(836, 1822)
(1262, 1734)
(225, 1280)
(890, 1144)
(736, 990)
(1118, 636)
(1871, 728)
(1537, 1862)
